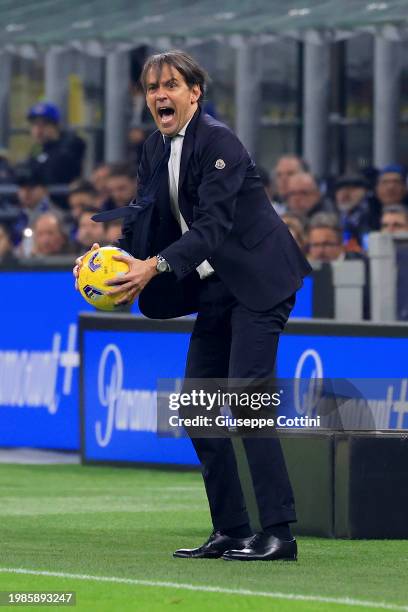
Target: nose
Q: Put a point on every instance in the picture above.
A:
(160, 95)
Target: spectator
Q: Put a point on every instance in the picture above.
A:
(356, 211)
(89, 231)
(286, 167)
(82, 194)
(391, 186)
(32, 195)
(297, 228)
(325, 238)
(325, 245)
(121, 185)
(138, 132)
(7, 255)
(99, 179)
(57, 155)
(50, 236)
(304, 197)
(113, 231)
(394, 219)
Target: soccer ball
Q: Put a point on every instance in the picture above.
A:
(97, 267)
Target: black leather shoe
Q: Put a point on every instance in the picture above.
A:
(264, 547)
(214, 547)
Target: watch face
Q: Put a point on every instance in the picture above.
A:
(162, 266)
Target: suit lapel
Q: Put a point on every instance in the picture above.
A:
(188, 146)
(158, 151)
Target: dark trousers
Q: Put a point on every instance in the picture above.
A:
(231, 341)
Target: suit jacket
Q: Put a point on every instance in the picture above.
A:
(231, 224)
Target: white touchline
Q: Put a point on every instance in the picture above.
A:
(346, 601)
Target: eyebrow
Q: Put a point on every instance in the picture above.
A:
(166, 83)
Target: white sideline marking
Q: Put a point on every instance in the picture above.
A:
(210, 589)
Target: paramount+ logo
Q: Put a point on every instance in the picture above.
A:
(124, 410)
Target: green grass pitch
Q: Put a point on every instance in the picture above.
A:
(123, 524)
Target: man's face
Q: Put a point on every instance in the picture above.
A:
(284, 170)
(48, 238)
(122, 189)
(324, 245)
(348, 197)
(303, 193)
(30, 195)
(78, 201)
(42, 131)
(89, 231)
(99, 179)
(391, 188)
(170, 100)
(393, 223)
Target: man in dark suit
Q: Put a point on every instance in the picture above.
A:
(215, 245)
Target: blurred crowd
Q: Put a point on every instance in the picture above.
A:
(49, 212)
(330, 220)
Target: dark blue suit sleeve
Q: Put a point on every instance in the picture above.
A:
(224, 163)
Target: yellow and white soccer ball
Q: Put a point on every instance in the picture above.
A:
(97, 267)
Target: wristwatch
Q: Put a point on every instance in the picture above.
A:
(162, 265)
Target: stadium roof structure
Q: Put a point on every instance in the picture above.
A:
(98, 26)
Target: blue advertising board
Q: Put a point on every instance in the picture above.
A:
(122, 360)
(120, 371)
(39, 359)
(367, 360)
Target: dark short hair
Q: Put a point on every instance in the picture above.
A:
(183, 62)
(303, 164)
(396, 209)
(122, 169)
(82, 186)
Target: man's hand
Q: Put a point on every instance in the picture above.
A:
(135, 280)
(78, 263)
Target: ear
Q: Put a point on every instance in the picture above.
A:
(195, 93)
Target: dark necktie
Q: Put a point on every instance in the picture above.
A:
(149, 193)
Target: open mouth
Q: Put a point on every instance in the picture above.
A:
(166, 114)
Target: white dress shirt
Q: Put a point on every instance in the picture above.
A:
(204, 269)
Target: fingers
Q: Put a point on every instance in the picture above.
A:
(125, 258)
(119, 280)
(128, 298)
(123, 287)
(78, 263)
(75, 272)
